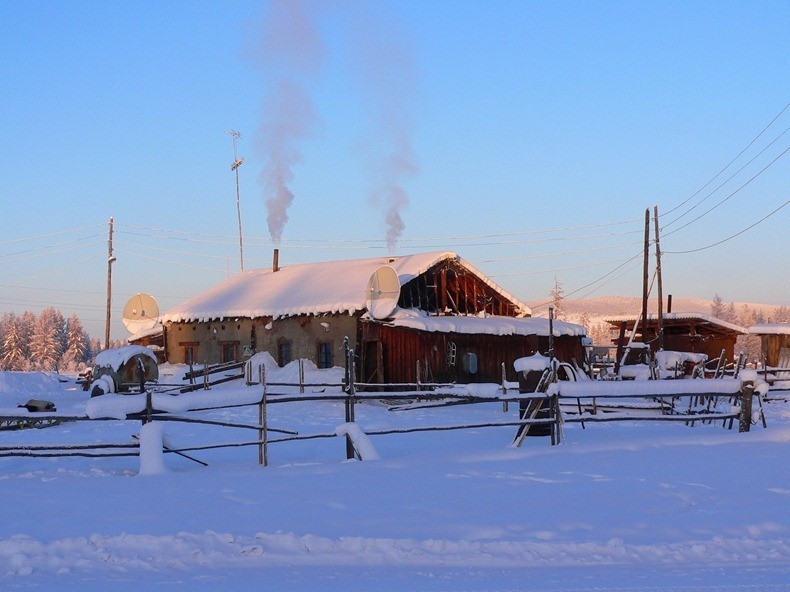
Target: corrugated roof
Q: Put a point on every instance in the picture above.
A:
(770, 329)
(311, 288)
(679, 316)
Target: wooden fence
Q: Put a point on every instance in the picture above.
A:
(584, 402)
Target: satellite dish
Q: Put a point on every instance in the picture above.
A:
(140, 313)
(383, 292)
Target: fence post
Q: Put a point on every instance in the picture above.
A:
(350, 390)
(206, 386)
(301, 376)
(504, 388)
(263, 436)
(745, 420)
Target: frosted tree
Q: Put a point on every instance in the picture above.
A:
(27, 325)
(13, 357)
(46, 346)
(782, 315)
(76, 349)
(557, 297)
(584, 321)
(717, 308)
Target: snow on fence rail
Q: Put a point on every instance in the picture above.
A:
(149, 406)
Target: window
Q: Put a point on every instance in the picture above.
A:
(189, 352)
(283, 352)
(229, 351)
(325, 354)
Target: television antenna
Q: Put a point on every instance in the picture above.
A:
(237, 162)
(383, 292)
(140, 313)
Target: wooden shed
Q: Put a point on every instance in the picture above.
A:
(775, 340)
(683, 331)
(457, 323)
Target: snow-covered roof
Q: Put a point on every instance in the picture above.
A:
(679, 316)
(117, 357)
(143, 333)
(310, 288)
(770, 329)
(482, 324)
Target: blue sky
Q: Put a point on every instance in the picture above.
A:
(521, 116)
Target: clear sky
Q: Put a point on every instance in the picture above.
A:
(498, 121)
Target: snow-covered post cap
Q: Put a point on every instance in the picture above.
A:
(152, 440)
(535, 362)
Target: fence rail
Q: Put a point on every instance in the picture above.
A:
(544, 410)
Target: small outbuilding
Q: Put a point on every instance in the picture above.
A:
(775, 340)
(693, 332)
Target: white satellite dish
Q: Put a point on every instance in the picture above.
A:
(140, 313)
(383, 292)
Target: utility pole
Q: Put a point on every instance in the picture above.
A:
(645, 274)
(660, 286)
(237, 162)
(110, 261)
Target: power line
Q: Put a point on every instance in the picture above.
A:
(51, 246)
(554, 270)
(372, 247)
(716, 176)
(49, 273)
(267, 242)
(695, 206)
(134, 254)
(61, 232)
(705, 213)
(729, 237)
(544, 255)
(603, 277)
(38, 255)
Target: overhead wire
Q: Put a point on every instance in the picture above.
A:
(700, 202)
(49, 253)
(50, 246)
(716, 176)
(51, 234)
(169, 262)
(761, 220)
(728, 197)
(554, 270)
(49, 273)
(382, 242)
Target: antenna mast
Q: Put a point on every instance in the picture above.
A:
(237, 162)
(110, 261)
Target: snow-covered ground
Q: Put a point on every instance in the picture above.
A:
(630, 506)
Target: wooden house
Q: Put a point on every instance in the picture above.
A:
(451, 321)
(775, 340)
(683, 331)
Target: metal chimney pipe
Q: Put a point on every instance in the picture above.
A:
(276, 261)
(669, 304)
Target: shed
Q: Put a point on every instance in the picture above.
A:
(694, 332)
(775, 341)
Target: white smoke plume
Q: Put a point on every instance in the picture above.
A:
(291, 51)
(386, 73)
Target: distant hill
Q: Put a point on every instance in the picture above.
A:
(601, 307)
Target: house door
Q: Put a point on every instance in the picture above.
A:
(373, 362)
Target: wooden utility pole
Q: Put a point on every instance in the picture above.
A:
(110, 261)
(645, 275)
(660, 286)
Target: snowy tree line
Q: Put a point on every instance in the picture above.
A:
(745, 316)
(46, 342)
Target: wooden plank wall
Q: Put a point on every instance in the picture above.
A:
(402, 347)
